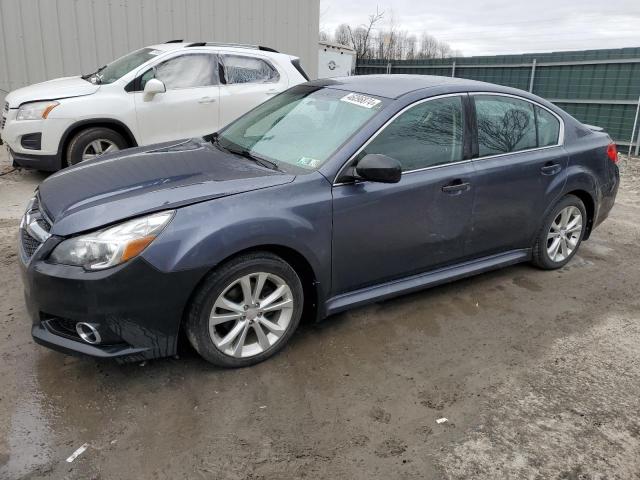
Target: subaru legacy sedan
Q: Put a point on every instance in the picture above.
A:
(331, 195)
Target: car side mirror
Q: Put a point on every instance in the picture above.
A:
(379, 168)
(154, 86)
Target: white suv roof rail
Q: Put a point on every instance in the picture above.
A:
(234, 45)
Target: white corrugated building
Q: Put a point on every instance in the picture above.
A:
(44, 39)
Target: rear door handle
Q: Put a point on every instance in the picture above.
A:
(273, 91)
(457, 186)
(207, 100)
(550, 168)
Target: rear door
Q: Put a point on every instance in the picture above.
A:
(247, 81)
(189, 107)
(518, 168)
(387, 231)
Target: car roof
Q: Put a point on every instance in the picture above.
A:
(394, 86)
(227, 47)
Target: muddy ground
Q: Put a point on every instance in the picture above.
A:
(538, 374)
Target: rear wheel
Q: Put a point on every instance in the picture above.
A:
(561, 234)
(245, 311)
(93, 142)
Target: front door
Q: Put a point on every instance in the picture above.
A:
(189, 107)
(387, 231)
(517, 172)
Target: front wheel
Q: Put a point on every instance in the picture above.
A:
(245, 311)
(561, 234)
(93, 142)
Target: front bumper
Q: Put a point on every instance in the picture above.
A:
(51, 130)
(47, 163)
(137, 308)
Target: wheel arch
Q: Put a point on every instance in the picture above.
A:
(111, 123)
(293, 257)
(589, 205)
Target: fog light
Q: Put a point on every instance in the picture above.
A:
(88, 332)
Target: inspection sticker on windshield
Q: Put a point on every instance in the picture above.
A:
(308, 162)
(361, 100)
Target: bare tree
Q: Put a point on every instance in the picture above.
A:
(428, 46)
(361, 36)
(389, 43)
(342, 35)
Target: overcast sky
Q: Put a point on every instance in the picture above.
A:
(501, 26)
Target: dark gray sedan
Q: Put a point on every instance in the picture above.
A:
(333, 194)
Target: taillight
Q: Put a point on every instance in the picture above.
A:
(612, 152)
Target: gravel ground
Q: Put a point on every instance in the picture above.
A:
(537, 373)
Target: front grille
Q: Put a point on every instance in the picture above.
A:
(4, 115)
(29, 244)
(34, 216)
(44, 224)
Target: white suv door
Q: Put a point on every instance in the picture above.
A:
(190, 105)
(247, 81)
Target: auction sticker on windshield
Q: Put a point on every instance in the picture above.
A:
(361, 100)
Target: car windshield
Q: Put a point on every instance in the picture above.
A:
(303, 126)
(120, 67)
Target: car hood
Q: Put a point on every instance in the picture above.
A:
(65, 87)
(147, 179)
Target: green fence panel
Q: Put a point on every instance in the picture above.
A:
(604, 93)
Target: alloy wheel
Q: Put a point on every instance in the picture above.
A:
(251, 314)
(98, 147)
(564, 234)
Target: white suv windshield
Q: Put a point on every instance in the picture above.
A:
(302, 126)
(120, 67)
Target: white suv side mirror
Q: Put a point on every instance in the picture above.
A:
(154, 86)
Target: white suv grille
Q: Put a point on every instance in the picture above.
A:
(4, 115)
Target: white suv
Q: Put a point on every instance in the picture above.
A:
(159, 93)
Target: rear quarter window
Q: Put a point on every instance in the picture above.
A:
(243, 69)
(548, 127)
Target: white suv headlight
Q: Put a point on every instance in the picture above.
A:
(35, 110)
(111, 246)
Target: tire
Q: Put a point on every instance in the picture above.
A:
(82, 142)
(553, 228)
(210, 338)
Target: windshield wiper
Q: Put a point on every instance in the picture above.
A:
(214, 138)
(89, 75)
(259, 160)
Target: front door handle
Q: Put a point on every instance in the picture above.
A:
(273, 91)
(455, 187)
(550, 168)
(207, 100)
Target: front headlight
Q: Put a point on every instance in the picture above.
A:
(35, 110)
(111, 246)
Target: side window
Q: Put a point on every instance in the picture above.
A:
(426, 135)
(185, 71)
(505, 124)
(241, 69)
(548, 128)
